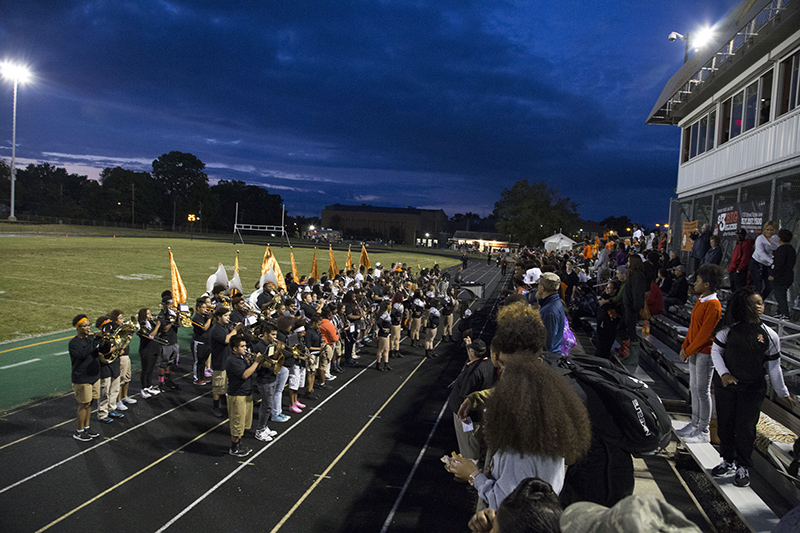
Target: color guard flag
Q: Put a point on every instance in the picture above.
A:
(314, 269)
(178, 289)
(268, 262)
(364, 260)
(236, 282)
(349, 263)
(295, 273)
(265, 262)
(333, 270)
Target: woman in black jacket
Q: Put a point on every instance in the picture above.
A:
(633, 301)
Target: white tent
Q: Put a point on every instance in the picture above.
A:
(558, 243)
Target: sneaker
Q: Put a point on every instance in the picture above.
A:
(280, 418)
(200, 382)
(723, 469)
(91, 433)
(239, 450)
(216, 412)
(300, 405)
(330, 377)
(145, 394)
(356, 357)
(322, 386)
(114, 414)
(742, 478)
(263, 436)
(121, 406)
(208, 373)
(686, 430)
(698, 437)
(81, 436)
(155, 391)
(295, 409)
(311, 396)
(128, 400)
(270, 432)
(106, 420)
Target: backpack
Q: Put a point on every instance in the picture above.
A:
(637, 410)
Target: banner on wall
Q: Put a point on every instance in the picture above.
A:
(728, 219)
(688, 229)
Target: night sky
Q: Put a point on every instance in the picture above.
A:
(429, 103)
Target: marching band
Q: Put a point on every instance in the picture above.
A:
(299, 337)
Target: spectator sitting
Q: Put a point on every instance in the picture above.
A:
(714, 254)
(679, 291)
(533, 507)
(551, 311)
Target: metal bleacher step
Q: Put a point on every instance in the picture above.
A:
(744, 500)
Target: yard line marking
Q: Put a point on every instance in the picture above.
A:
(344, 451)
(255, 455)
(143, 470)
(104, 442)
(20, 364)
(35, 344)
(424, 449)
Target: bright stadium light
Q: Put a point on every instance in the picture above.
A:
(702, 37)
(16, 74)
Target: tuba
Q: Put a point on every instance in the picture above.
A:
(118, 339)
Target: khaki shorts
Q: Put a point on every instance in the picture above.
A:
(312, 363)
(219, 382)
(240, 411)
(86, 392)
(124, 369)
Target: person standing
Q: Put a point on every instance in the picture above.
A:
(109, 374)
(744, 350)
(220, 337)
(83, 355)
(239, 369)
(168, 319)
(396, 314)
(384, 326)
(700, 245)
(783, 263)
(123, 400)
(740, 260)
(201, 324)
(761, 262)
(477, 375)
(551, 310)
(432, 327)
(149, 349)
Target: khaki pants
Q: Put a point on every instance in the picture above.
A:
(325, 358)
(447, 324)
(109, 390)
(394, 338)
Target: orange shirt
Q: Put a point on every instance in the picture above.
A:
(705, 315)
(328, 331)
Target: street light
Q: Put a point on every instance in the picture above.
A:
(18, 74)
(698, 40)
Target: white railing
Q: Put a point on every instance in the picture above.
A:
(767, 148)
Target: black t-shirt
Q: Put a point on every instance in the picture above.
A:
(198, 333)
(288, 360)
(235, 368)
(220, 350)
(571, 281)
(263, 374)
(313, 339)
(477, 375)
(170, 336)
(384, 325)
(308, 310)
(263, 299)
(110, 370)
(237, 317)
(397, 317)
(83, 356)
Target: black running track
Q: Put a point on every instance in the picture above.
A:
(365, 457)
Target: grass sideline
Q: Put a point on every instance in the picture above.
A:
(45, 281)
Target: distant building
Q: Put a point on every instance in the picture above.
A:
(409, 225)
(738, 106)
(484, 241)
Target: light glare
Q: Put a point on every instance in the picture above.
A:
(14, 72)
(702, 37)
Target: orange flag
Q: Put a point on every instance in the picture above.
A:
(349, 263)
(265, 262)
(295, 273)
(178, 289)
(268, 262)
(236, 282)
(333, 270)
(314, 269)
(364, 260)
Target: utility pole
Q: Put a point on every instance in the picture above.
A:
(132, 199)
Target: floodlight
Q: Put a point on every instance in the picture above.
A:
(14, 72)
(702, 37)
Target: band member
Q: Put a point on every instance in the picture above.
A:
(329, 339)
(239, 368)
(219, 339)
(123, 400)
(202, 321)
(396, 313)
(293, 333)
(384, 325)
(432, 326)
(354, 314)
(83, 354)
(313, 342)
(417, 304)
(449, 306)
(168, 319)
(266, 379)
(109, 376)
(149, 350)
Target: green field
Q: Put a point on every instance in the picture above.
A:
(45, 281)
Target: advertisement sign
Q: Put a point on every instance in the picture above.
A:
(688, 229)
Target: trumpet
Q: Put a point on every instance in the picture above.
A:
(118, 339)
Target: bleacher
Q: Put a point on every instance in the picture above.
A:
(777, 429)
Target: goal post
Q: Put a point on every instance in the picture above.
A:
(239, 227)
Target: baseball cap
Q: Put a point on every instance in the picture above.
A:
(681, 268)
(478, 346)
(550, 281)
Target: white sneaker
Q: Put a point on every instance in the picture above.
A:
(270, 432)
(145, 394)
(698, 437)
(686, 430)
(121, 406)
(129, 400)
(328, 377)
(263, 436)
(155, 391)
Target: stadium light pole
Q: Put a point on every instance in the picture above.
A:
(17, 74)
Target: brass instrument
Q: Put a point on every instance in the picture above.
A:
(185, 315)
(118, 339)
(144, 333)
(274, 359)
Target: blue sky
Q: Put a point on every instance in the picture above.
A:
(432, 104)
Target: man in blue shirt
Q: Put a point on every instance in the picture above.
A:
(551, 310)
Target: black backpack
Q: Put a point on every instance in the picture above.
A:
(636, 409)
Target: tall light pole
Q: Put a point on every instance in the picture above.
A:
(17, 74)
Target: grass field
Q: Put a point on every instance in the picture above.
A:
(45, 281)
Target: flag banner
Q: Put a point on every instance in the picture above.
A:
(178, 289)
(364, 259)
(349, 263)
(295, 273)
(236, 282)
(333, 269)
(314, 269)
